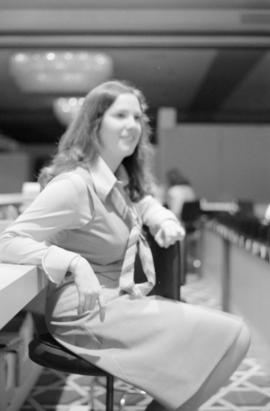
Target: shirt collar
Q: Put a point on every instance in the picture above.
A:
(104, 179)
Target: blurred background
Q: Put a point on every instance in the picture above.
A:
(204, 66)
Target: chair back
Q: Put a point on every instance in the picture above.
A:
(191, 211)
(169, 266)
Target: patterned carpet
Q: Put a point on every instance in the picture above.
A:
(247, 390)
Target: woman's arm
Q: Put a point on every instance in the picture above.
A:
(163, 224)
(152, 213)
(63, 204)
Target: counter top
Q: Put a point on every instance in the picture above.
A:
(19, 284)
(11, 199)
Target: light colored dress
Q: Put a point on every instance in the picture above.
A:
(166, 347)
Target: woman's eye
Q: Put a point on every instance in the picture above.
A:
(120, 114)
(123, 115)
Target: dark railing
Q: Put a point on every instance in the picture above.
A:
(236, 222)
(245, 230)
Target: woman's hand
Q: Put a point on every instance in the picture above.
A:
(88, 286)
(169, 232)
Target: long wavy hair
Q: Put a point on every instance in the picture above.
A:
(78, 146)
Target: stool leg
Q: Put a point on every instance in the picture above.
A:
(109, 393)
(124, 396)
(123, 402)
(92, 394)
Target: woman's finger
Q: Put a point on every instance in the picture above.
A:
(102, 309)
(159, 238)
(81, 304)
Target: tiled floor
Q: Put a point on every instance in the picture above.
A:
(247, 390)
(249, 387)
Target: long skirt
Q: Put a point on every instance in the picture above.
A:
(167, 348)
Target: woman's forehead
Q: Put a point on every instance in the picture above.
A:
(127, 100)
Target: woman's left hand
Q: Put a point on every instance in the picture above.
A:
(169, 232)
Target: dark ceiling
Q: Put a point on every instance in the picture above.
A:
(208, 59)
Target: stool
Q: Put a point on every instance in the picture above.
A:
(47, 352)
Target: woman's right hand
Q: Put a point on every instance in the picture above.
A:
(88, 286)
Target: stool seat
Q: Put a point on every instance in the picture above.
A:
(46, 351)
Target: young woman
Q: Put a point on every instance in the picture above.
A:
(79, 232)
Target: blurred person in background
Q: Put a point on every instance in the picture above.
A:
(179, 190)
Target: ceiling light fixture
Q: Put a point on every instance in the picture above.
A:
(57, 71)
(65, 109)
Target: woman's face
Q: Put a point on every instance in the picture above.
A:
(120, 129)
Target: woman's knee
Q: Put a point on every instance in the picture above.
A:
(242, 342)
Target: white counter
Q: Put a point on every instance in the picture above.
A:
(19, 284)
(11, 199)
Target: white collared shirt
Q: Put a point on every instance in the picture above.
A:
(73, 215)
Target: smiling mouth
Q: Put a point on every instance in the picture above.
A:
(129, 137)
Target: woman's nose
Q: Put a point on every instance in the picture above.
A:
(131, 122)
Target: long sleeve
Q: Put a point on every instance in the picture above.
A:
(62, 205)
(153, 214)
